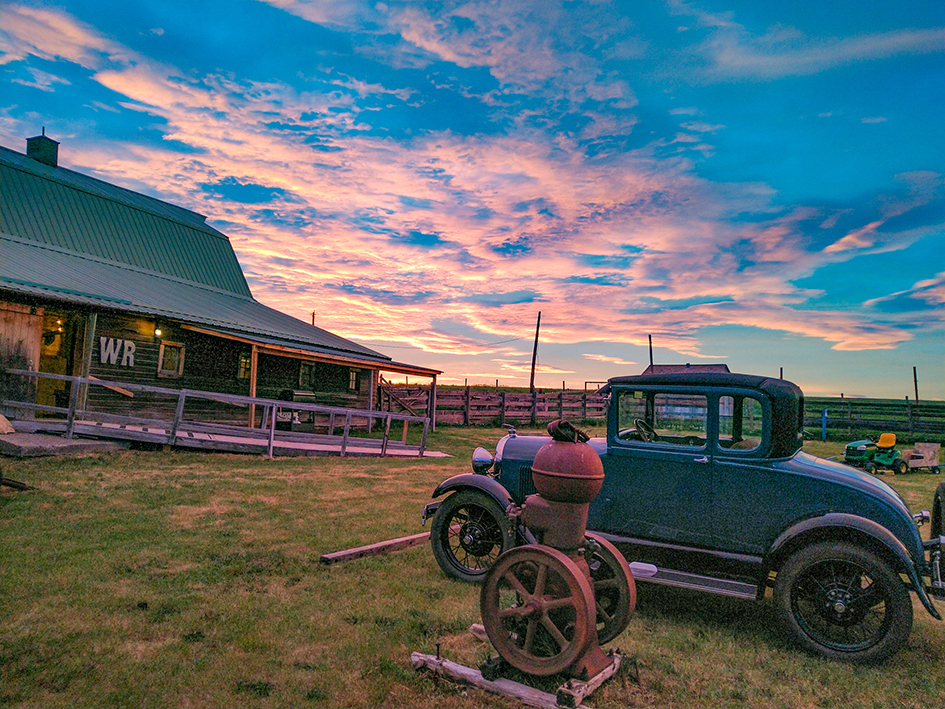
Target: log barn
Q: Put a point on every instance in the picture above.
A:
(100, 281)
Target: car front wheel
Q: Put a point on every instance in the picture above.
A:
(843, 602)
(469, 532)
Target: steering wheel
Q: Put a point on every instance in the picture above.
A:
(646, 430)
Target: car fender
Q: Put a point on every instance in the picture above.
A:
(838, 521)
(483, 483)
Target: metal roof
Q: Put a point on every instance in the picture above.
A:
(76, 239)
(52, 272)
(59, 207)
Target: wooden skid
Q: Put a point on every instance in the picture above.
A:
(571, 694)
(377, 548)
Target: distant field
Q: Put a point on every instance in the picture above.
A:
(150, 579)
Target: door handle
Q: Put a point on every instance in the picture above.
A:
(703, 459)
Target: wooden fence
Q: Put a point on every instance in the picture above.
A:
(480, 406)
(466, 406)
(849, 416)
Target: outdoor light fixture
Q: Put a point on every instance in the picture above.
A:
(157, 331)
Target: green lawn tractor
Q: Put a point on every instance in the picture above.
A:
(881, 455)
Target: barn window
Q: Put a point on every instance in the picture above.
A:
(353, 379)
(171, 359)
(245, 365)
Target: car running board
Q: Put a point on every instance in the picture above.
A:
(680, 579)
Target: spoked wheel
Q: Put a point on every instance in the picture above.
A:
(615, 591)
(537, 609)
(469, 533)
(843, 602)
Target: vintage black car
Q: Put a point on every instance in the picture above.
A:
(707, 488)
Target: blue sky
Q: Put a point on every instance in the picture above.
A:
(759, 184)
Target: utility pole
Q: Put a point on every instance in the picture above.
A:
(915, 380)
(650, 338)
(531, 386)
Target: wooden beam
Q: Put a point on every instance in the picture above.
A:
(471, 676)
(377, 548)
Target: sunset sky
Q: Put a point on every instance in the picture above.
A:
(754, 183)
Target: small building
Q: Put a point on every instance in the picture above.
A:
(100, 281)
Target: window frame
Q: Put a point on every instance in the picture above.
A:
(171, 373)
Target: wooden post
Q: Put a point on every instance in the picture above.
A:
(73, 401)
(502, 412)
(272, 410)
(344, 440)
(584, 406)
(87, 344)
(909, 413)
(466, 409)
(431, 407)
(561, 403)
(253, 364)
(178, 415)
(534, 407)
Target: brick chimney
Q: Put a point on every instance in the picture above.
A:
(43, 149)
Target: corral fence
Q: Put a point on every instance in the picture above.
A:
(850, 416)
(471, 405)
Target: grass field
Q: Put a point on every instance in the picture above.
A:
(174, 579)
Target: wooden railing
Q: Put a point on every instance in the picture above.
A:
(272, 411)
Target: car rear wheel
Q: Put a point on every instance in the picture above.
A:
(843, 602)
(470, 531)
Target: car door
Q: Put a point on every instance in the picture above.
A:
(658, 481)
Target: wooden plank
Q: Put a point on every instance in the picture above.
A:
(467, 675)
(375, 549)
(573, 692)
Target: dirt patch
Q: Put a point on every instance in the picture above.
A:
(190, 516)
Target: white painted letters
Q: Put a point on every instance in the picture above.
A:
(110, 348)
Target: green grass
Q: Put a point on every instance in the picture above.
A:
(150, 579)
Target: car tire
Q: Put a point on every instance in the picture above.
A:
(937, 528)
(469, 532)
(843, 602)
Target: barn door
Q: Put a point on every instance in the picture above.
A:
(21, 333)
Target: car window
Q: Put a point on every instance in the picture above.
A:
(740, 423)
(662, 419)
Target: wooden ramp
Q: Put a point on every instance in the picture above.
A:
(363, 432)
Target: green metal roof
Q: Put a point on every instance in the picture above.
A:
(59, 207)
(76, 239)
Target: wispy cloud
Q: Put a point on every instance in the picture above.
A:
(384, 235)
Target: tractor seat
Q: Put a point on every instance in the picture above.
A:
(886, 440)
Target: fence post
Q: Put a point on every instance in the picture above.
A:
(909, 413)
(273, 408)
(534, 408)
(823, 424)
(178, 415)
(584, 406)
(502, 413)
(344, 439)
(73, 402)
(466, 408)
(850, 417)
(561, 404)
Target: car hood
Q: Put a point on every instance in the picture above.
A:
(840, 474)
